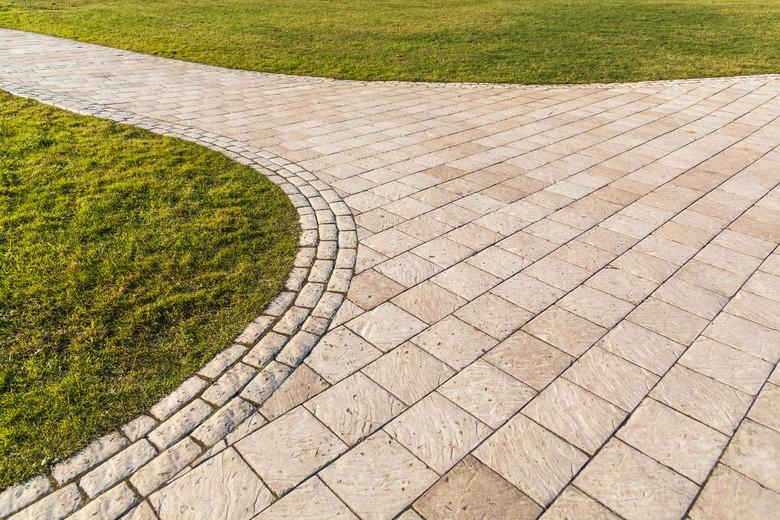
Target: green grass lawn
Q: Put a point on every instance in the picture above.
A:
(127, 260)
(523, 41)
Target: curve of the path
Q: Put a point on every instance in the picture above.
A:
(566, 301)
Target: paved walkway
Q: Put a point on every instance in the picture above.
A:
(565, 302)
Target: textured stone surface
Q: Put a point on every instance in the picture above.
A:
(729, 495)
(117, 467)
(514, 453)
(472, 491)
(437, 432)
(634, 485)
(16, 497)
(222, 487)
(573, 504)
(111, 504)
(379, 479)
(312, 500)
(755, 452)
(290, 449)
(555, 210)
(59, 504)
(89, 457)
(355, 408)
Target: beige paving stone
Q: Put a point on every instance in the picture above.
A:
(493, 315)
(312, 500)
(667, 320)
(755, 452)
(180, 424)
(437, 431)
(96, 452)
(596, 306)
(16, 497)
(642, 347)
(340, 353)
(634, 485)
(424, 228)
(645, 266)
(717, 405)
(527, 246)
(621, 284)
(379, 478)
(225, 420)
(529, 360)
(407, 269)
(727, 365)
(222, 487)
(408, 372)
(615, 243)
(59, 504)
(558, 273)
(612, 378)
(355, 408)
(665, 249)
(228, 384)
(428, 301)
(487, 393)
(391, 242)
(729, 495)
(466, 281)
(746, 336)
(710, 277)
(472, 491)
(530, 457)
(766, 408)
(117, 467)
(573, 504)
(765, 285)
(755, 308)
(371, 288)
(687, 446)
(386, 327)
(497, 262)
(565, 330)
(303, 384)
(111, 504)
(728, 259)
(474, 236)
(527, 292)
(442, 252)
(454, 342)
(161, 469)
(290, 449)
(689, 297)
(580, 417)
(142, 511)
(584, 255)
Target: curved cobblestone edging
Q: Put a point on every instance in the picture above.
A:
(218, 405)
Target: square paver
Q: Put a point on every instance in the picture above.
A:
(667, 320)
(498, 262)
(454, 342)
(488, 393)
(735, 496)
(573, 504)
(755, 452)
(311, 500)
(622, 284)
(766, 408)
(408, 269)
(355, 408)
(580, 417)
(673, 439)
(465, 280)
(371, 288)
(222, 487)
(717, 405)
(565, 330)
(596, 306)
(386, 326)
(494, 315)
(527, 292)
(727, 365)
(379, 478)
(529, 360)
(634, 485)
(612, 378)
(437, 432)
(443, 252)
(746, 336)
(290, 449)
(408, 372)
(642, 347)
(531, 458)
(428, 301)
(339, 353)
(471, 490)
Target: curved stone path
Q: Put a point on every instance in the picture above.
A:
(566, 301)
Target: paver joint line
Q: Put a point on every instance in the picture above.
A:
(565, 300)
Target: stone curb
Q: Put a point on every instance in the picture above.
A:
(219, 403)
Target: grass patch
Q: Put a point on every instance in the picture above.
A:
(521, 41)
(127, 260)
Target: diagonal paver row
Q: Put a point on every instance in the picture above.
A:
(566, 300)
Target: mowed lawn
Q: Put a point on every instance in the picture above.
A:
(127, 260)
(521, 41)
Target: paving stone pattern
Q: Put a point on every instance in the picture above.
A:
(565, 301)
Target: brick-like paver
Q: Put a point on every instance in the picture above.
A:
(564, 304)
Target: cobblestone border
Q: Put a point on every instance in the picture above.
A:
(219, 402)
